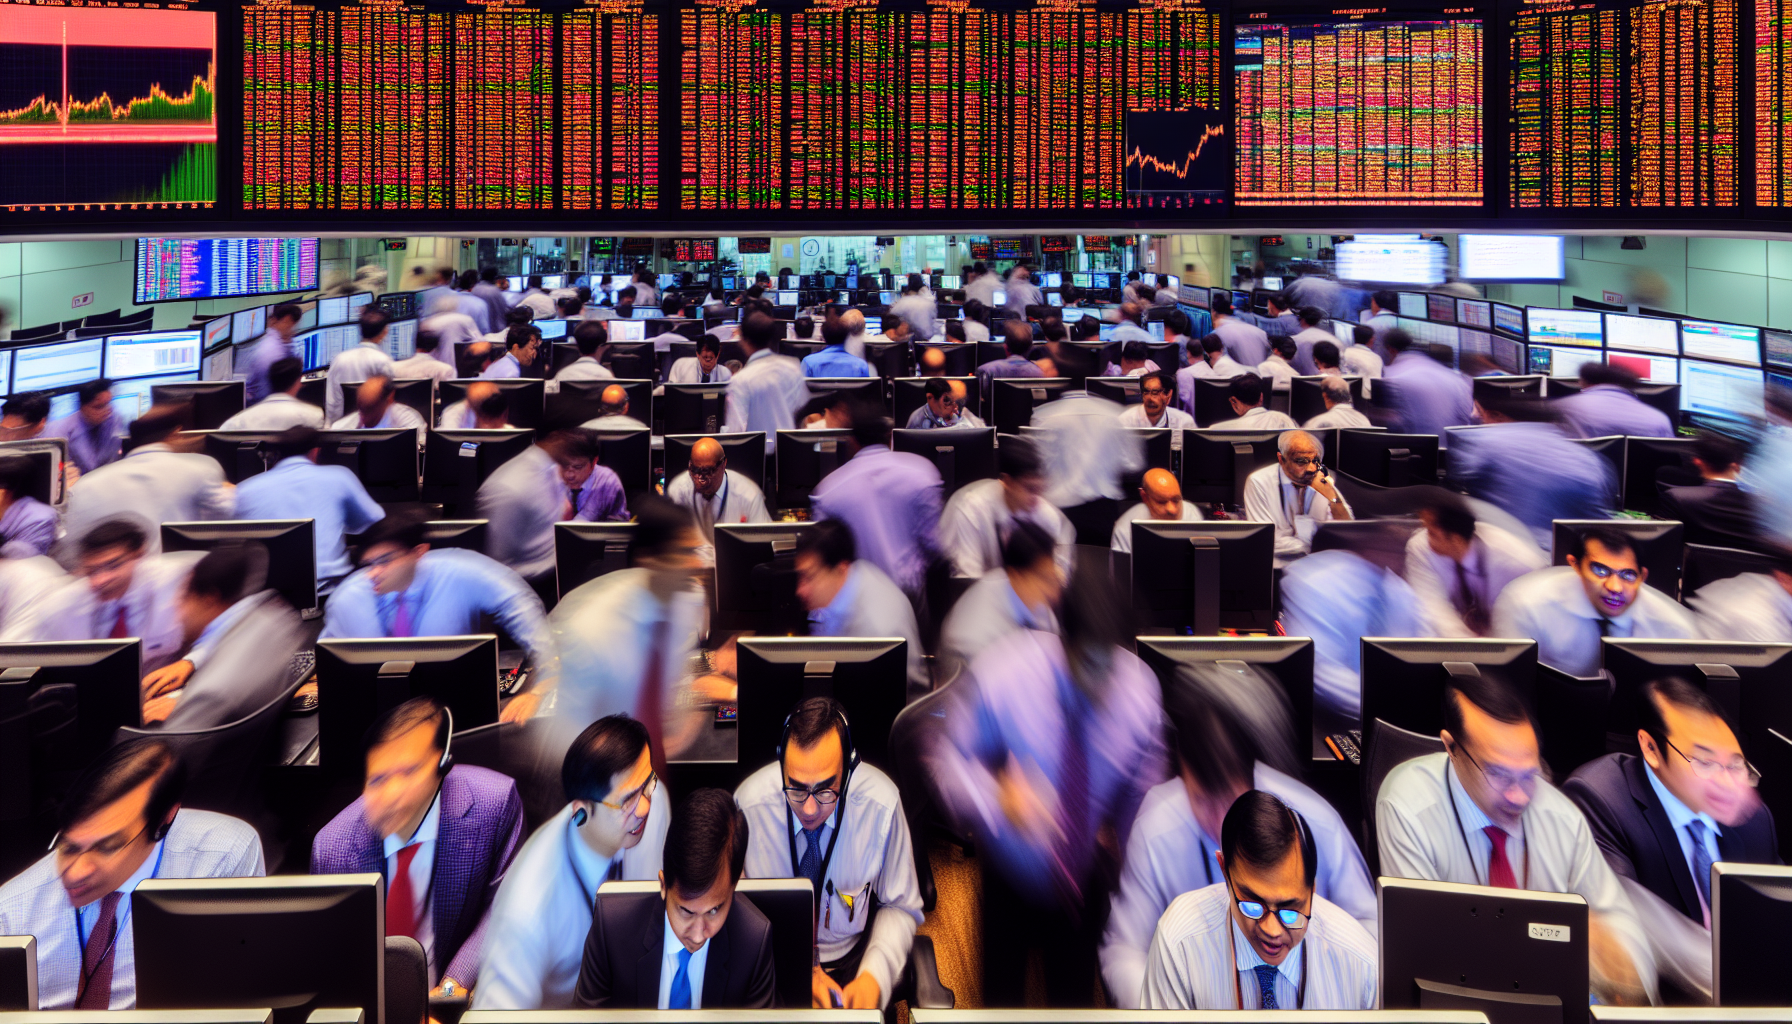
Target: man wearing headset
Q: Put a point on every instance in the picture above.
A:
(817, 813)
(1260, 938)
(614, 825)
(120, 823)
(442, 834)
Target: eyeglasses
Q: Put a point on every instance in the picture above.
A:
(704, 471)
(1740, 771)
(111, 846)
(384, 560)
(1601, 571)
(1291, 919)
(1501, 779)
(799, 795)
(629, 806)
(1158, 392)
(1303, 463)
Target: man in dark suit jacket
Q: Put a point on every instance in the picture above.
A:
(1717, 511)
(695, 944)
(1691, 787)
(463, 823)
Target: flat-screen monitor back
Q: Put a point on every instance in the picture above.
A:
(359, 680)
(1403, 680)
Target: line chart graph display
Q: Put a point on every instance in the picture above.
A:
(1178, 159)
(107, 108)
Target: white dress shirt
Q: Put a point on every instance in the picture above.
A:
(584, 368)
(1343, 414)
(986, 613)
(153, 484)
(397, 415)
(1361, 361)
(25, 586)
(1174, 418)
(873, 854)
(423, 866)
(278, 411)
(1280, 370)
(1427, 828)
(201, 844)
(765, 395)
(1199, 960)
(1122, 539)
(354, 364)
(689, 371)
(1269, 497)
(423, 366)
(1259, 418)
(737, 500)
(670, 947)
(1551, 607)
(1752, 607)
(976, 523)
(1495, 558)
(1085, 449)
(1168, 853)
(151, 608)
(535, 939)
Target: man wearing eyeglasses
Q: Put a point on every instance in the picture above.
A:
(812, 816)
(944, 407)
(1599, 593)
(1296, 494)
(716, 494)
(1260, 938)
(1156, 408)
(1481, 814)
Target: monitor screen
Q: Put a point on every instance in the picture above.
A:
(248, 324)
(1642, 334)
(1001, 297)
(1274, 284)
(156, 353)
(952, 281)
(132, 398)
(874, 329)
(1727, 343)
(883, 299)
(220, 365)
(1719, 391)
(646, 313)
(1508, 319)
(1474, 313)
(668, 281)
(1779, 348)
(1441, 308)
(401, 339)
(6, 371)
(209, 268)
(1156, 327)
(1659, 368)
(551, 329)
(1392, 262)
(1054, 298)
(215, 333)
(1053, 279)
(790, 298)
(332, 311)
(790, 281)
(627, 330)
(357, 302)
(1071, 313)
(63, 364)
(1080, 279)
(1554, 361)
(1581, 327)
(1510, 258)
(1413, 304)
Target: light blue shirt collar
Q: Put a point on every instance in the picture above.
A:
(1027, 617)
(1679, 815)
(1248, 961)
(1474, 820)
(832, 618)
(669, 966)
(426, 832)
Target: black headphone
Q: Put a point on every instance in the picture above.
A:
(445, 740)
(851, 752)
(850, 755)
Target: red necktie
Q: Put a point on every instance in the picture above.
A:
(96, 958)
(401, 905)
(121, 628)
(1499, 869)
(648, 703)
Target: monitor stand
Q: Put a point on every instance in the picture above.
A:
(1500, 1007)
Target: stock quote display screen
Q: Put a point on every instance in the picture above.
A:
(107, 107)
(1773, 103)
(1343, 109)
(1618, 105)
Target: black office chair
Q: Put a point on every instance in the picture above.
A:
(1386, 747)
(1571, 718)
(1705, 563)
(407, 981)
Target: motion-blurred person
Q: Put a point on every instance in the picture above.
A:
(274, 345)
(1384, 309)
(944, 407)
(1247, 344)
(1607, 405)
(1021, 593)
(1458, 567)
(474, 306)
(1307, 336)
(1600, 593)
(443, 318)
(119, 824)
(94, 430)
(1233, 732)
(1212, 363)
(1157, 404)
(23, 417)
(1754, 607)
(1266, 894)
(484, 407)
(1085, 450)
(117, 590)
(1017, 338)
(522, 346)
(1481, 814)
(1160, 500)
(703, 368)
(27, 525)
(1524, 464)
(486, 289)
(613, 826)
(1337, 598)
(1021, 292)
(1340, 409)
(1427, 395)
(298, 488)
(366, 360)
(377, 408)
(281, 408)
(817, 800)
(442, 834)
(1296, 494)
(1054, 740)
(890, 499)
(833, 360)
(1278, 369)
(1717, 510)
(427, 364)
(765, 395)
(613, 412)
(156, 483)
(1249, 400)
(537, 300)
(849, 595)
(590, 336)
(1129, 325)
(980, 516)
(547, 484)
(1361, 360)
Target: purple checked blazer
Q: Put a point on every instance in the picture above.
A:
(481, 827)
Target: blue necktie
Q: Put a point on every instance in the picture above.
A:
(810, 866)
(1701, 860)
(680, 998)
(1266, 987)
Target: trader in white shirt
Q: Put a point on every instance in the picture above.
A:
(1211, 362)
(1481, 814)
(765, 395)
(713, 493)
(1754, 607)
(525, 497)
(703, 368)
(1279, 367)
(1085, 450)
(979, 516)
(281, 408)
(818, 813)
(1160, 500)
(1458, 567)
(1601, 592)
(377, 408)
(1308, 336)
(117, 590)
(1248, 400)
(1022, 593)
(522, 346)
(427, 364)
(1157, 404)
(1295, 494)
(1230, 727)
(1340, 411)
(368, 359)
(155, 483)
(591, 336)
(484, 407)
(1261, 938)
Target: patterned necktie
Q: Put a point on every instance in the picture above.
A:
(1701, 865)
(1499, 869)
(96, 958)
(401, 902)
(401, 617)
(680, 997)
(1266, 987)
(1473, 615)
(574, 498)
(121, 628)
(810, 864)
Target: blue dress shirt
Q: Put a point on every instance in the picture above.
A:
(331, 496)
(89, 447)
(1680, 816)
(835, 361)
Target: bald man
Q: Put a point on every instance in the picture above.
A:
(713, 493)
(615, 415)
(476, 358)
(480, 409)
(933, 363)
(377, 407)
(854, 322)
(1160, 500)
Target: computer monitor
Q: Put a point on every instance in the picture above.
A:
(103, 675)
(756, 577)
(296, 943)
(526, 396)
(1403, 680)
(1119, 390)
(1611, 449)
(246, 325)
(580, 401)
(1512, 385)
(1211, 399)
(1013, 400)
(804, 459)
(1412, 304)
(745, 454)
(1748, 968)
(1716, 394)
(628, 452)
(332, 310)
(623, 332)
(869, 389)
(242, 453)
(1659, 546)
(1216, 463)
(1644, 460)
(384, 460)
(630, 360)
(456, 462)
(291, 545)
(585, 551)
(360, 680)
(56, 365)
(961, 356)
(1306, 397)
(1725, 343)
(1575, 328)
(417, 392)
(212, 401)
(153, 354)
(47, 455)
(868, 676)
(1288, 659)
(694, 408)
(961, 454)
(1519, 956)
(889, 359)
(1201, 577)
(910, 393)
(1388, 460)
(1557, 361)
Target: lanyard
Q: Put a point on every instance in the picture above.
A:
(1523, 878)
(839, 823)
(1300, 992)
